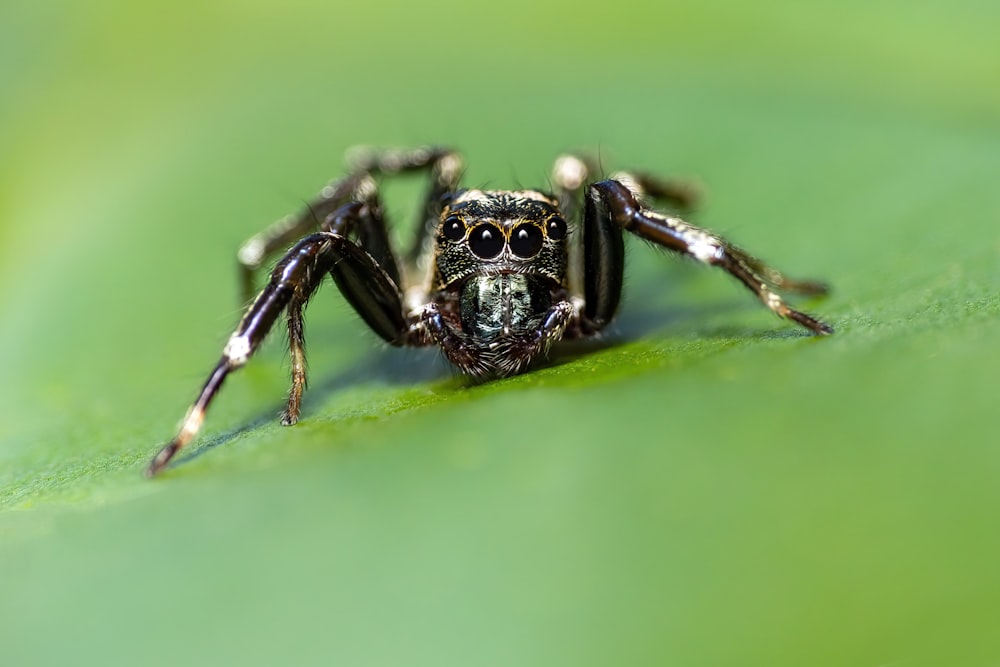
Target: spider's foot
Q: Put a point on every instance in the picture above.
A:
(162, 458)
(818, 327)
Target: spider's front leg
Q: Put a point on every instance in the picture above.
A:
(611, 207)
(367, 286)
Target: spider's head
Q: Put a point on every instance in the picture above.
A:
(487, 232)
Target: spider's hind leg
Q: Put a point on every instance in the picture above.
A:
(675, 193)
(365, 164)
(256, 250)
(572, 173)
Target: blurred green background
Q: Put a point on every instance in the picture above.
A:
(712, 488)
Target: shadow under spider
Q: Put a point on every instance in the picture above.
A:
(403, 367)
(415, 366)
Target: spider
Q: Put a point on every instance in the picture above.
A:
(493, 279)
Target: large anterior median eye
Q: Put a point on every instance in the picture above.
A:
(486, 241)
(526, 240)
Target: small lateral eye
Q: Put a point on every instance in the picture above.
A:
(556, 228)
(486, 241)
(453, 228)
(526, 240)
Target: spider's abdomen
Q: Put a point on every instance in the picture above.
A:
(500, 305)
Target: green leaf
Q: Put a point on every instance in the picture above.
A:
(705, 485)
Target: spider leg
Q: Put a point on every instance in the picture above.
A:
(278, 236)
(612, 207)
(363, 281)
(685, 196)
(365, 284)
(570, 175)
(366, 222)
(356, 186)
(446, 173)
(297, 355)
(679, 194)
(446, 168)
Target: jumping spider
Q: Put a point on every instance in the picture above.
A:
(492, 279)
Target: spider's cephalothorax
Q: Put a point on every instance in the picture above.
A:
(499, 269)
(491, 278)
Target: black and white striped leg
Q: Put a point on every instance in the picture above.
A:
(570, 176)
(365, 285)
(611, 207)
(297, 275)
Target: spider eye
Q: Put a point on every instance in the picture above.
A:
(453, 228)
(526, 240)
(486, 241)
(556, 228)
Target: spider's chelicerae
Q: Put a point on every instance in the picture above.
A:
(491, 279)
